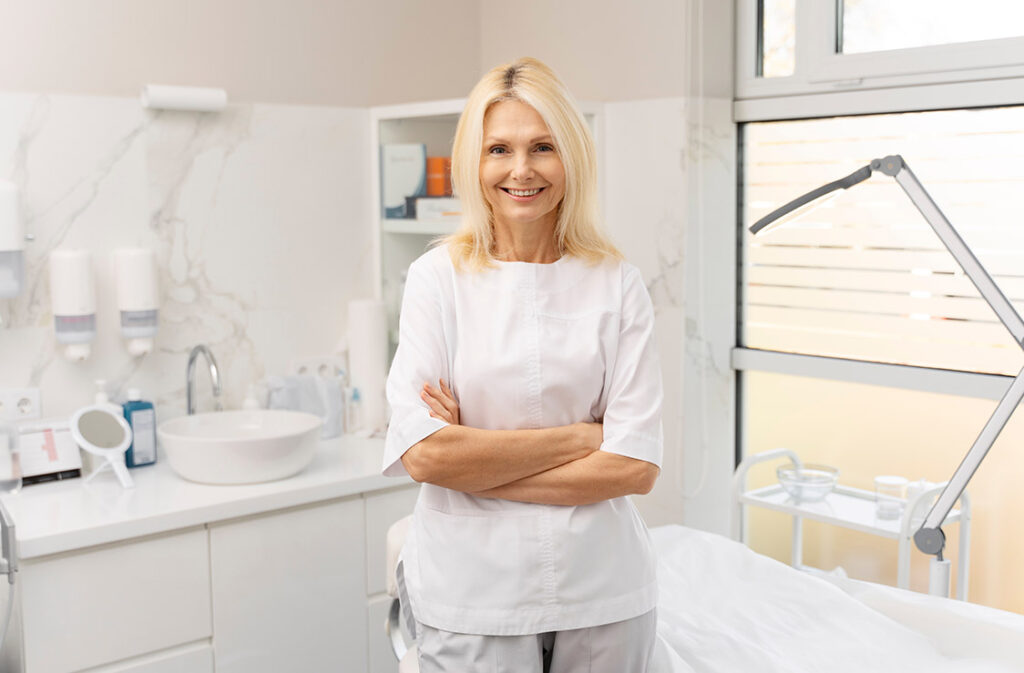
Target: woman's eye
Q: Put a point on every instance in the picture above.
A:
(545, 148)
(497, 150)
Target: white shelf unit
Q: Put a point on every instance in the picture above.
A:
(851, 508)
(399, 242)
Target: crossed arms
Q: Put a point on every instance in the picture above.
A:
(552, 466)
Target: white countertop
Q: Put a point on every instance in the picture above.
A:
(66, 515)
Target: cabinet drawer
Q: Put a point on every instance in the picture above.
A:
(115, 602)
(288, 591)
(382, 510)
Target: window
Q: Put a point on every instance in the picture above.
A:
(881, 25)
(868, 430)
(778, 38)
(863, 276)
(787, 47)
(861, 343)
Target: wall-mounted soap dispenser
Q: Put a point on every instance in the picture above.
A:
(73, 295)
(137, 297)
(12, 242)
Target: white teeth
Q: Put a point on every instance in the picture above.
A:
(523, 192)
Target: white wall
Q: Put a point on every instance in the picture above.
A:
(308, 52)
(602, 49)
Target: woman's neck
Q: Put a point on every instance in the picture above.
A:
(534, 243)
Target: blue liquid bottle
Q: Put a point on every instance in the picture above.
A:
(142, 417)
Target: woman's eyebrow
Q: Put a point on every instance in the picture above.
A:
(538, 139)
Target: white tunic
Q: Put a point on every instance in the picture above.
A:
(527, 346)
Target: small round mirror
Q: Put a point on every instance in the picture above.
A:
(104, 433)
(101, 430)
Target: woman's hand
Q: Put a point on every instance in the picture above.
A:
(441, 402)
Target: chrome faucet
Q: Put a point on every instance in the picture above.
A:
(190, 377)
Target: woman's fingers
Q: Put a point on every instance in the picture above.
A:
(441, 401)
(448, 400)
(445, 389)
(437, 409)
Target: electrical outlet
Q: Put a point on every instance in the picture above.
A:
(329, 366)
(19, 404)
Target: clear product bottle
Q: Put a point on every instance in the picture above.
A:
(10, 463)
(354, 412)
(142, 417)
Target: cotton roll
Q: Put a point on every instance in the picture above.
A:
(368, 358)
(186, 98)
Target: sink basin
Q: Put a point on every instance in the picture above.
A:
(240, 447)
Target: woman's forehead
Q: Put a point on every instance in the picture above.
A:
(513, 114)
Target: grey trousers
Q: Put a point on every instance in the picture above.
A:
(620, 647)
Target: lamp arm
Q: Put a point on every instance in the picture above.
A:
(929, 538)
(990, 292)
(860, 175)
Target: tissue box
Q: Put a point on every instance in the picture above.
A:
(403, 173)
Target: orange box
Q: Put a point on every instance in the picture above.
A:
(439, 176)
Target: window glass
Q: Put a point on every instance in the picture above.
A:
(778, 38)
(867, 431)
(863, 276)
(878, 25)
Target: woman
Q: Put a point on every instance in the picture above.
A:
(524, 553)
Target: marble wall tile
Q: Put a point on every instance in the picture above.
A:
(646, 201)
(670, 202)
(259, 216)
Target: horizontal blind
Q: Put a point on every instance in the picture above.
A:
(863, 276)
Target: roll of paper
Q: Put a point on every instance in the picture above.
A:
(368, 358)
(187, 98)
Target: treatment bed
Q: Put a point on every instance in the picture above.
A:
(724, 608)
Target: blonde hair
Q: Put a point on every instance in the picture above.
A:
(578, 230)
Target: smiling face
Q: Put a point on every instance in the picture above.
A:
(521, 174)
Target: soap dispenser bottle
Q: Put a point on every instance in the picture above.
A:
(142, 417)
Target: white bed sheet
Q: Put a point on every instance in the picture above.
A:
(725, 608)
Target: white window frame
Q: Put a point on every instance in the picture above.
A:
(827, 84)
(820, 70)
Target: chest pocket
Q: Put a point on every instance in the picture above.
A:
(576, 357)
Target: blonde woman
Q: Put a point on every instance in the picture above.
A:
(526, 398)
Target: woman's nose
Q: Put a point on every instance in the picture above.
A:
(522, 169)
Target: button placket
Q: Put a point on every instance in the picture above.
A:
(531, 331)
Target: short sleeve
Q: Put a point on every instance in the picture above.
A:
(632, 419)
(422, 357)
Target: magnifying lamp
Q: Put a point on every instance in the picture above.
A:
(929, 538)
(101, 432)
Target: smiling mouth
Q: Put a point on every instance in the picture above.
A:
(522, 192)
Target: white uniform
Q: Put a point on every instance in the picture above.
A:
(527, 346)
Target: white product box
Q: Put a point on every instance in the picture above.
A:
(48, 451)
(438, 208)
(403, 172)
